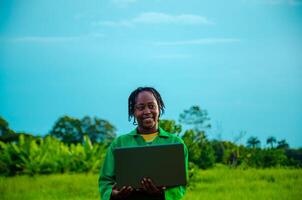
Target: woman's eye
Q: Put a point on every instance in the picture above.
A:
(151, 106)
(140, 107)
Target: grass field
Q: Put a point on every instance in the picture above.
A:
(218, 183)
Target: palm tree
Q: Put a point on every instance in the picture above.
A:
(282, 144)
(253, 142)
(271, 140)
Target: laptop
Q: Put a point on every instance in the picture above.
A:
(164, 164)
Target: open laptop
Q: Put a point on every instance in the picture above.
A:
(164, 164)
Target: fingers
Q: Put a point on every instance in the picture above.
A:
(128, 190)
(121, 193)
(144, 184)
(150, 187)
(125, 191)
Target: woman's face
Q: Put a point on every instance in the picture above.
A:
(146, 112)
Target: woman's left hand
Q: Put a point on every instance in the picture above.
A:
(150, 188)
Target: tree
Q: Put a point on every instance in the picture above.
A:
(4, 127)
(282, 144)
(7, 134)
(170, 126)
(271, 140)
(68, 129)
(236, 151)
(219, 150)
(196, 117)
(294, 157)
(72, 130)
(200, 150)
(253, 142)
(98, 130)
(273, 157)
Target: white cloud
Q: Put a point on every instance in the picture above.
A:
(202, 41)
(159, 18)
(50, 39)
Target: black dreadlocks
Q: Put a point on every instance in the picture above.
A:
(132, 99)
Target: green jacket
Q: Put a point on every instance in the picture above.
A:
(107, 176)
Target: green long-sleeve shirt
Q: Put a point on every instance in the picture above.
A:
(107, 176)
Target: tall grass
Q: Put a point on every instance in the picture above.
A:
(226, 183)
(50, 187)
(218, 183)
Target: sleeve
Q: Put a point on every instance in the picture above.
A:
(107, 176)
(177, 193)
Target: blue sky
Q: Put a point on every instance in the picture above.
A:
(241, 61)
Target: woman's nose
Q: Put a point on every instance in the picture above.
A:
(146, 110)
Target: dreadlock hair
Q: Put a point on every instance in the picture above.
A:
(132, 100)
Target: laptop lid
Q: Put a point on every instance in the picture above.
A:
(164, 164)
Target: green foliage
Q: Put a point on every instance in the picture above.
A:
(219, 150)
(196, 117)
(192, 169)
(49, 155)
(282, 144)
(68, 129)
(253, 142)
(230, 156)
(4, 127)
(98, 130)
(72, 130)
(170, 126)
(7, 134)
(264, 158)
(207, 156)
(294, 157)
(271, 140)
(200, 150)
(83, 144)
(234, 155)
(273, 158)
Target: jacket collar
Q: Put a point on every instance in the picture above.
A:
(162, 133)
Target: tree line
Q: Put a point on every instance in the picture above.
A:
(79, 145)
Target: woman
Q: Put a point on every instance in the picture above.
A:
(145, 105)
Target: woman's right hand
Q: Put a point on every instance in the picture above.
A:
(122, 193)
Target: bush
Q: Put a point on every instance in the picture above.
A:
(49, 155)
